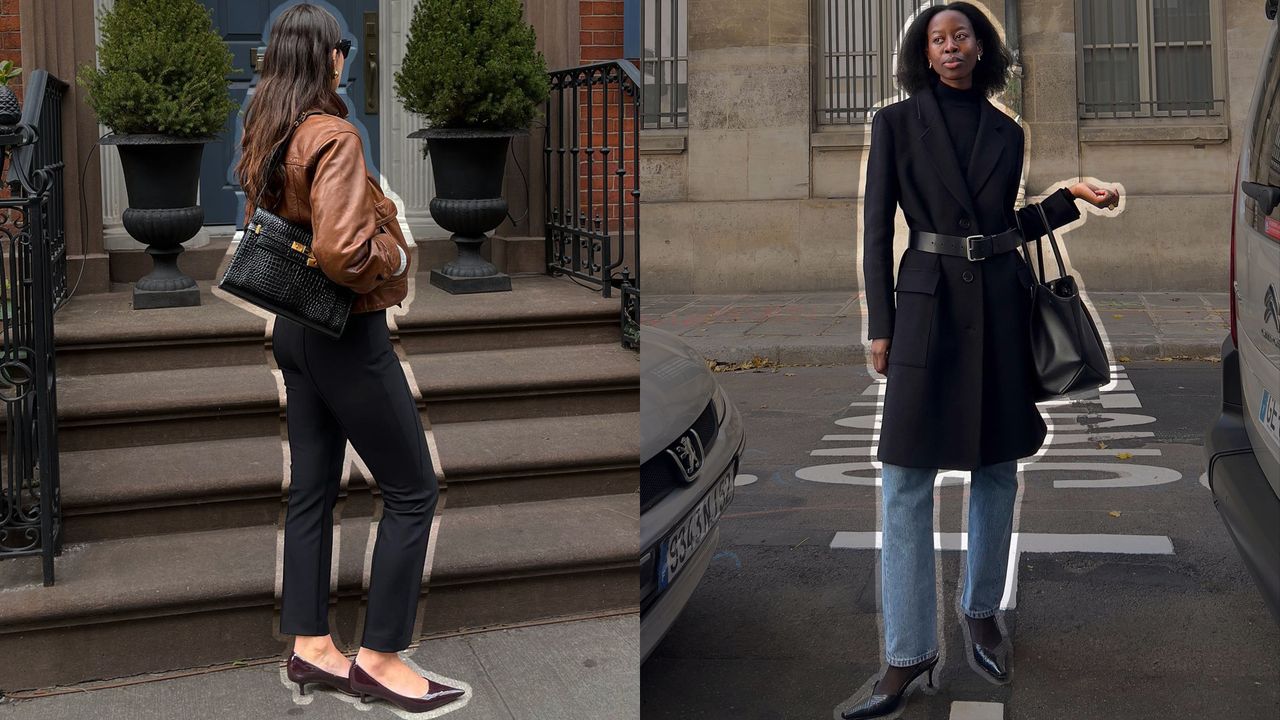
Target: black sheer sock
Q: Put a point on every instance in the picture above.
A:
(896, 677)
(984, 631)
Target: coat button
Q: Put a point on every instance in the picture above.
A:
(966, 276)
(964, 223)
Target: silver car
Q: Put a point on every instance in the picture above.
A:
(691, 438)
(1242, 446)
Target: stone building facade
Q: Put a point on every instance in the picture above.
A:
(754, 194)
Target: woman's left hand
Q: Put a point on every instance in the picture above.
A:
(1096, 196)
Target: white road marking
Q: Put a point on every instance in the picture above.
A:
(1024, 542)
(1120, 400)
(1126, 475)
(744, 479)
(976, 711)
(1027, 542)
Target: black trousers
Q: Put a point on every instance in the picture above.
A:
(353, 388)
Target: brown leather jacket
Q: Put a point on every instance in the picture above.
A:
(353, 225)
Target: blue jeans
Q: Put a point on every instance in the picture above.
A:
(908, 592)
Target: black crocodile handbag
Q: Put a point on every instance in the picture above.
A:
(275, 269)
(1066, 348)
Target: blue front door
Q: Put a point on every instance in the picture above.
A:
(245, 26)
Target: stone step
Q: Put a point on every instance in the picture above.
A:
(157, 407)
(159, 603)
(111, 493)
(102, 333)
(528, 382)
(540, 310)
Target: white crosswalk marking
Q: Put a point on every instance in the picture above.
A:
(976, 711)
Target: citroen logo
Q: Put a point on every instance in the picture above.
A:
(1270, 313)
(688, 454)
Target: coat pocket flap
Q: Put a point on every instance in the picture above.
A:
(917, 280)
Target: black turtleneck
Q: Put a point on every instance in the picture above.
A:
(960, 111)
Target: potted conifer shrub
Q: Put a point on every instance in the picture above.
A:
(474, 73)
(10, 109)
(161, 87)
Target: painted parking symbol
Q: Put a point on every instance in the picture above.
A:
(1086, 437)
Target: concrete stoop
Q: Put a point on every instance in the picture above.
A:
(172, 441)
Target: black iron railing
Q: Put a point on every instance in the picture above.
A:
(33, 284)
(591, 181)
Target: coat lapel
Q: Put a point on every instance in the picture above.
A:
(987, 148)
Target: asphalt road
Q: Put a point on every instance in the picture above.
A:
(1164, 623)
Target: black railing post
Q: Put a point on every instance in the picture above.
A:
(33, 238)
(584, 239)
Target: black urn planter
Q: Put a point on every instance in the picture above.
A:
(468, 167)
(161, 177)
(10, 108)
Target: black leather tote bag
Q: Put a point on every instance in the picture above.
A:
(274, 268)
(1066, 348)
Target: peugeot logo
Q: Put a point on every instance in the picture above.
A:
(1270, 312)
(688, 454)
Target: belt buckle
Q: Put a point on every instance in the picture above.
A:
(968, 248)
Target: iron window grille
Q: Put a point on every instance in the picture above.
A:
(664, 65)
(858, 44)
(1149, 58)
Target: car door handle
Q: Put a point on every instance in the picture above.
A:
(1267, 196)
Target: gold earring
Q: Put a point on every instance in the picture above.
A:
(335, 73)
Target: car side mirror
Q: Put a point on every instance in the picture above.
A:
(1267, 196)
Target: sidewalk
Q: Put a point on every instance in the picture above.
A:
(584, 669)
(827, 328)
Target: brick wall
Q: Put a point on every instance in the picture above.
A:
(11, 40)
(600, 40)
(600, 30)
(10, 49)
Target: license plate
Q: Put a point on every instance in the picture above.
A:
(676, 549)
(1269, 414)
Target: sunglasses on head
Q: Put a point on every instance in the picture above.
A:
(343, 47)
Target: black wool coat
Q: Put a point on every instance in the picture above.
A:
(958, 393)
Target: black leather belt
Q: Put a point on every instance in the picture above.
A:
(970, 247)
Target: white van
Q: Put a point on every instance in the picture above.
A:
(1242, 446)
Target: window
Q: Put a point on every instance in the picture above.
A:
(858, 48)
(665, 103)
(1144, 58)
(1265, 151)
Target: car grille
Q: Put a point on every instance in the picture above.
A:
(660, 475)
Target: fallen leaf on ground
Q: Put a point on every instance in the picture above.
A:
(1124, 456)
(1123, 358)
(1102, 445)
(1114, 513)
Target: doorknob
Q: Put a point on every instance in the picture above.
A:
(255, 58)
(371, 63)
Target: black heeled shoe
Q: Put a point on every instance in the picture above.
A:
(302, 672)
(437, 694)
(879, 705)
(985, 660)
(989, 663)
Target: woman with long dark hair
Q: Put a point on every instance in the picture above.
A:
(350, 388)
(954, 346)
